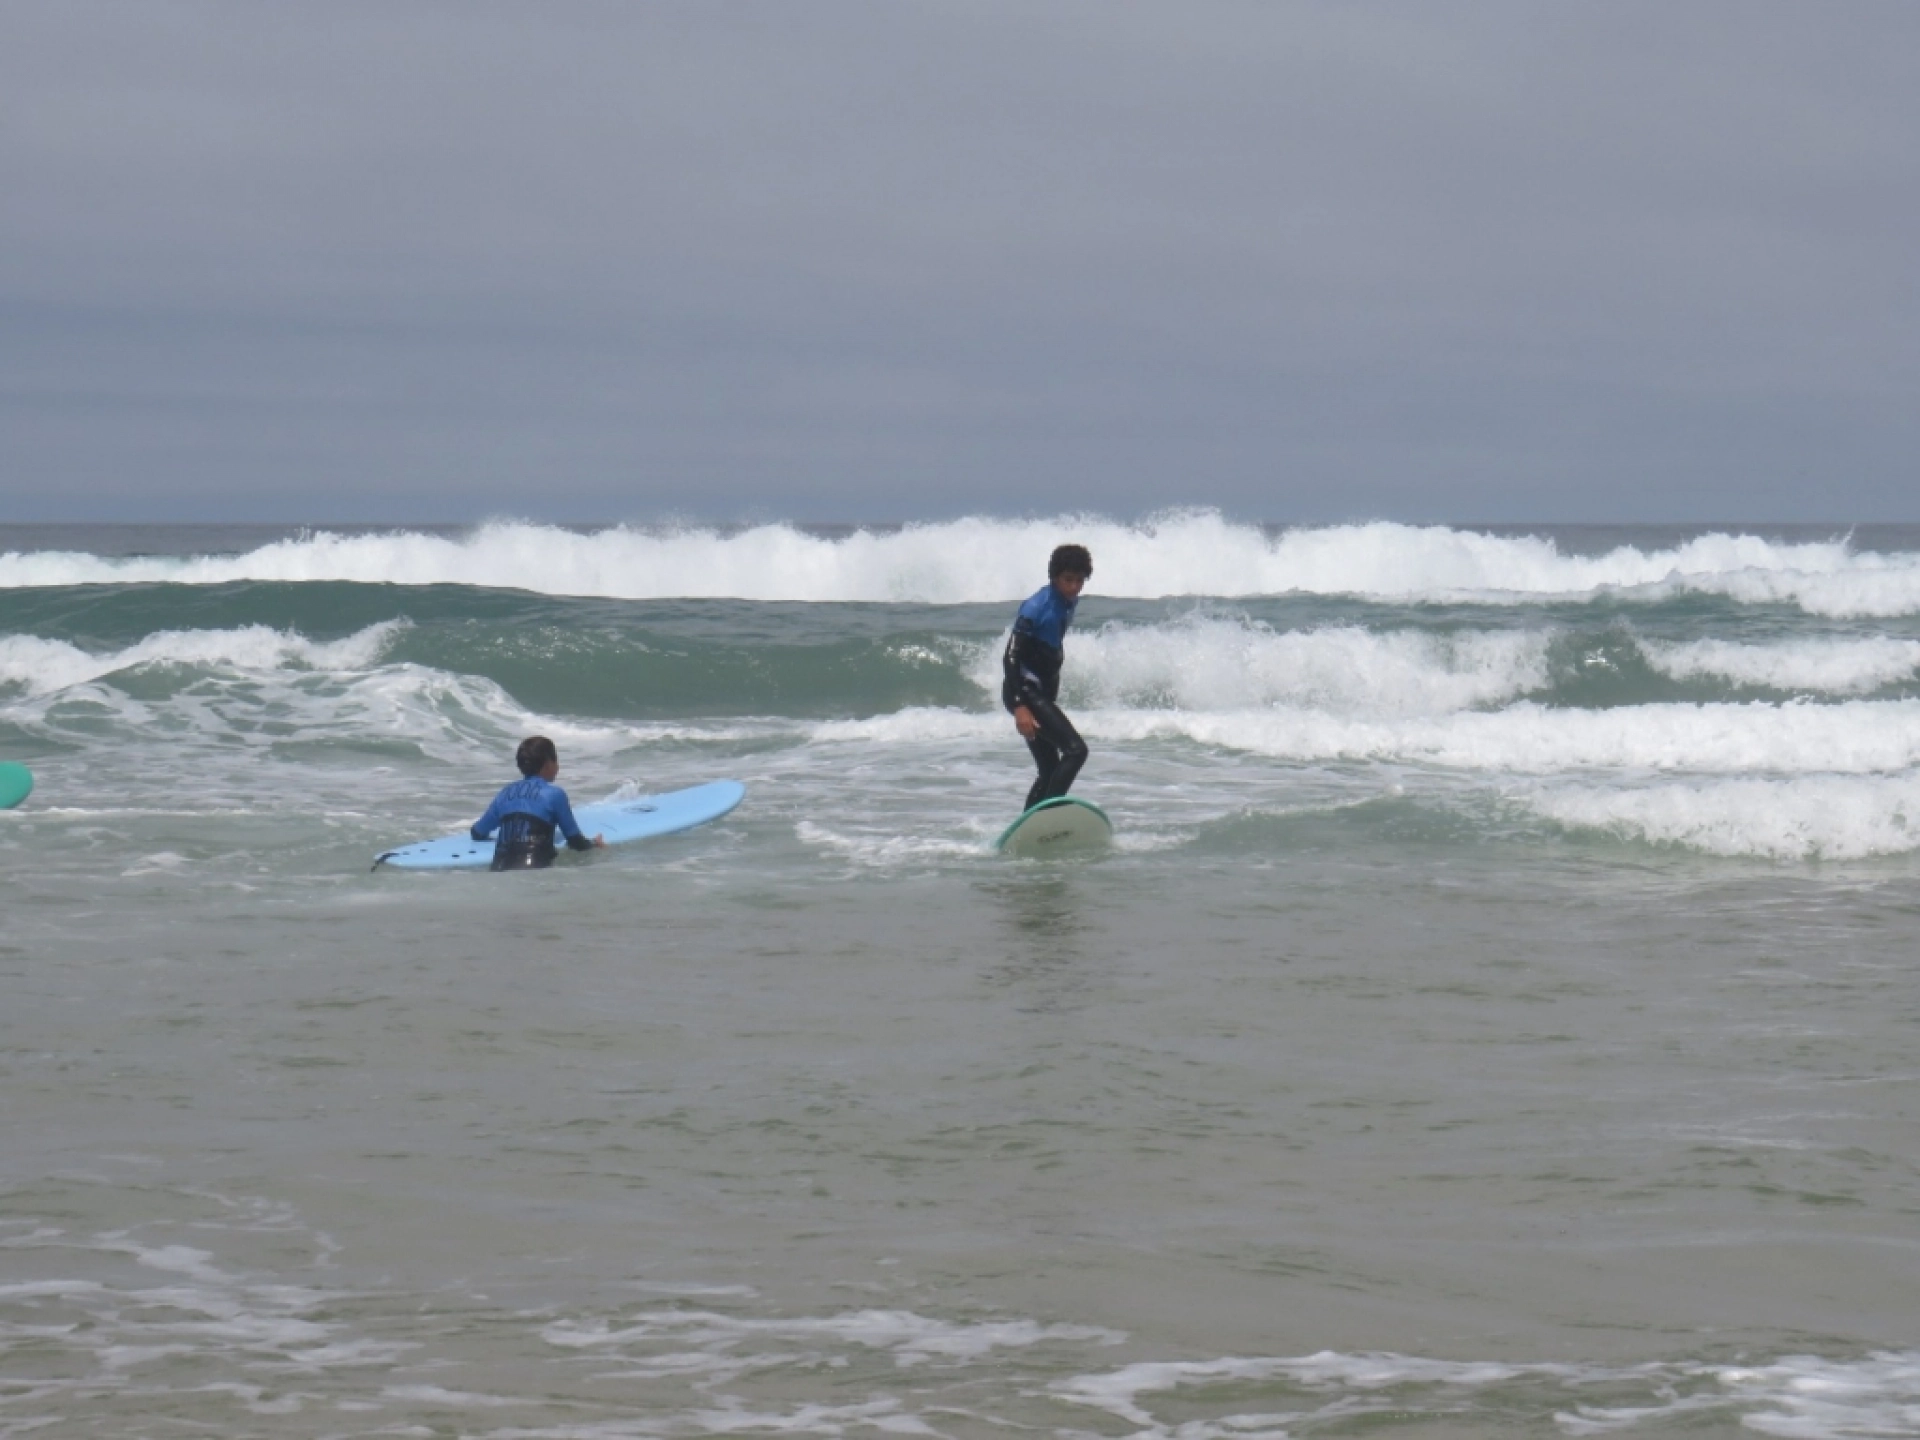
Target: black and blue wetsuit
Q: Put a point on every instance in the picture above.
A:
(526, 814)
(1031, 677)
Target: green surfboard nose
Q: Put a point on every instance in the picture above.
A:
(16, 783)
(1063, 826)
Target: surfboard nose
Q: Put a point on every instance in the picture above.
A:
(16, 783)
(1056, 827)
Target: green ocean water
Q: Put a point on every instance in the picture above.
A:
(1495, 1018)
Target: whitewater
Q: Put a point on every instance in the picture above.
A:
(1495, 1013)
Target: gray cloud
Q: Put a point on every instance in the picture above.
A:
(441, 260)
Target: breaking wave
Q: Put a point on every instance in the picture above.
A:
(40, 666)
(1828, 666)
(986, 560)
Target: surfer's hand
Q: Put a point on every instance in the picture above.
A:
(1024, 722)
(600, 841)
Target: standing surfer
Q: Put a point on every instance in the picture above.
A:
(1031, 669)
(527, 812)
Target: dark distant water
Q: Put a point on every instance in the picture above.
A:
(1497, 1016)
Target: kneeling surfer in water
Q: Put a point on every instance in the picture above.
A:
(527, 811)
(1031, 669)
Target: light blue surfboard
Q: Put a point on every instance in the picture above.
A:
(1062, 826)
(16, 783)
(619, 821)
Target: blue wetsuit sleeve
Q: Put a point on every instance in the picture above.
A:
(1016, 679)
(569, 827)
(487, 823)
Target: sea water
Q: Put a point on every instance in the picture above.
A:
(1498, 1015)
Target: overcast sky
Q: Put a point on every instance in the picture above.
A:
(445, 259)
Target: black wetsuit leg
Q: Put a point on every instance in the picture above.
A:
(1057, 749)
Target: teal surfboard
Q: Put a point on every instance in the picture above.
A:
(1063, 826)
(16, 783)
(618, 821)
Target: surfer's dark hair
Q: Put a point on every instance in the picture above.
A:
(1069, 559)
(534, 753)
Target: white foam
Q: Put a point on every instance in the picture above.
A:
(201, 1310)
(180, 1259)
(1832, 667)
(165, 862)
(1218, 664)
(45, 667)
(888, 851)
(1864, 737)
(911, 1338)
(270, 687)
(1802, 1397)
(450, 717)
(1811, 1398)
(916, 725)
(986, 559)
(1120, 1392)
(1830, 817)
(962, 1375)
(1858, 737)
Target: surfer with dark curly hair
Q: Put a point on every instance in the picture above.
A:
(1030, 668)
(527, 812)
